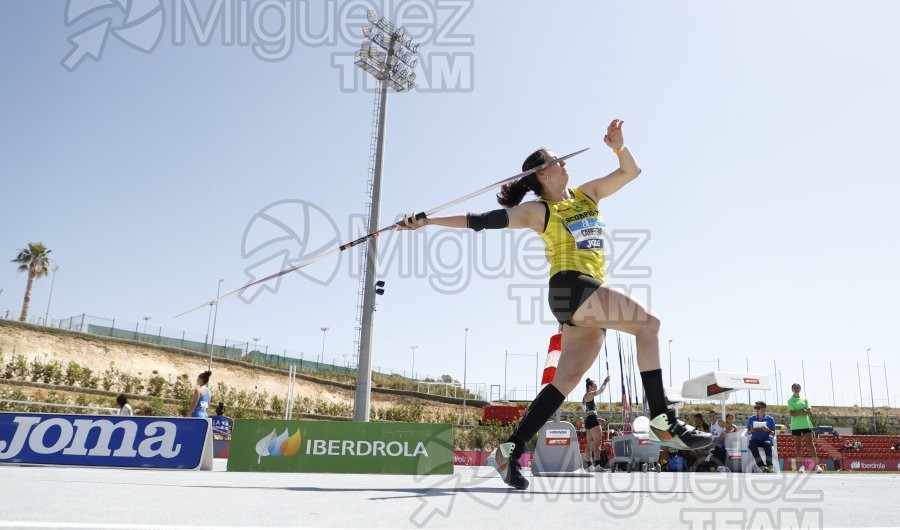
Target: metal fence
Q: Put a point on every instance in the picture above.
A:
(250, 351)
(243, 350)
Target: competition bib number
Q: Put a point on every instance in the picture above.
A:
(588, 233)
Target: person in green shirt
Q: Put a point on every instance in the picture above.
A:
(802, 428)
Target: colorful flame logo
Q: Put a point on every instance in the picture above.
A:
(278, 444)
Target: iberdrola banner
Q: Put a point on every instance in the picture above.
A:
(341, 447)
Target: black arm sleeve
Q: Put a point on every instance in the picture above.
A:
(494, 219)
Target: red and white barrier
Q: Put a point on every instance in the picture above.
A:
(552, 360)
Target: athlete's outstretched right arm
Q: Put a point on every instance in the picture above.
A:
(527, 215)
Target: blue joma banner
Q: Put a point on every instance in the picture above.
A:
(105, 441)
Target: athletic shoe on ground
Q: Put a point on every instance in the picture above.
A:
(679, 434)
(506, 462)
(771, 468)
(767, 469)
(598, 469)
(802, 469)
(818, 469)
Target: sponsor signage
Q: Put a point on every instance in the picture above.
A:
(467, 458)
(341, 447)
(221, 424)
(557, 437)
(105, 441)
(713, 389)
(751, 381)
(859, 464)
(480, 458)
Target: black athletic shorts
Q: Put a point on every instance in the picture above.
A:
(591, 421)
(568, 290)
(800, 432)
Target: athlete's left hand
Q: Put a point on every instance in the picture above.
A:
(614, 138)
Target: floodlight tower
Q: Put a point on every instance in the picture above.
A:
(389, 55)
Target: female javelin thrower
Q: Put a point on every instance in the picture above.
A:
(568, 221)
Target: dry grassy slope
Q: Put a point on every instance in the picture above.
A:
(136, 358)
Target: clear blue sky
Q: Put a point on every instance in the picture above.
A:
(766, 133)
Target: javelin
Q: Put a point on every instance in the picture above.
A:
(377, 233)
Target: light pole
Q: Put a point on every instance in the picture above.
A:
(208, 325)
(255, 343)
(465, 366)
(50, 298)
(747, 365)
(322, 355)
(670, 362)
(212, 342)
(859, 383)
(871, 391)
(146, 318)
(831, 371)
(412, 372)
(389, 56)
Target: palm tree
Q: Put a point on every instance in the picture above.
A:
(35, 261)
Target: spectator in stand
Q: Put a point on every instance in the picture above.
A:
(896, 446)
(729, 423)
(715, 457)
(696, 458)
(124, 407)
(699, 423)
(835, 436)
(760, 428)
(802, 428)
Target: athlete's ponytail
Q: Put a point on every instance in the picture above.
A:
(512, 194)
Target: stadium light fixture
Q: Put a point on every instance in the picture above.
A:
(389, 55)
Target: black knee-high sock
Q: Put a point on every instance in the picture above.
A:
(543, 406)
(656, 394)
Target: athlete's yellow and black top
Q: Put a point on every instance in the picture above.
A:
(574, 233)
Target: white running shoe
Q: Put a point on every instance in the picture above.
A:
(818, 469)
(802, 469)
(678, 434)
(506, 461)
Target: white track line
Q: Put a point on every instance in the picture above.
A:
(131, 526)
